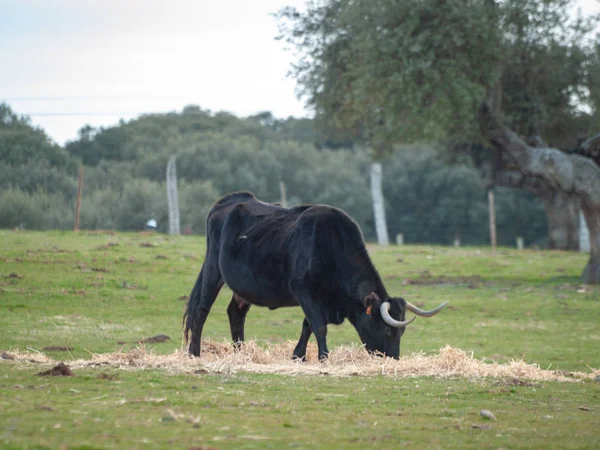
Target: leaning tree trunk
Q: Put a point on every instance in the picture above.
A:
(562, 209)
(574, 175)
(591, 273)
(378, 204)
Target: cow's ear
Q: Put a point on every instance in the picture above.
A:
(372, 301)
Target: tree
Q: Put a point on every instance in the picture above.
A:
(417, 70)
(21, 143)
(573, 174)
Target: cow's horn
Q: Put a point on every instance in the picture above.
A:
(421, 312)
(385, 313)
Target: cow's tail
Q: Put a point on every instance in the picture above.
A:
(191, 315)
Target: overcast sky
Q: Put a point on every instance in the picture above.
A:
(67, 63)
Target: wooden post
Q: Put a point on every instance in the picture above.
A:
(283, 194)
(400, 239)
(78, 204)
(492, 210)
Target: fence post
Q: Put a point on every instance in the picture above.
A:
(492, 212)
(584, 234)
(78, 203)
(283, 194)
(378, 204)
(172, 197)
(400, 239)
(520, 243)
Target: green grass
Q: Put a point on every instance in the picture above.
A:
(84, 292)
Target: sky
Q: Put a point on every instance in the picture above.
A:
(68, 63)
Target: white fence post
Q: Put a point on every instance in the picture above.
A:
(520, 243)
(584, 234)
(378, 205)
(492, 213)
(172, 197)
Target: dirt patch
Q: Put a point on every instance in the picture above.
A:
(107, 246)
(105, 376)
(97, 232)
(7, 356)
(45, 408)
(61, 370)
(127, 285)
(57, 348)
(14, 275)
(515, 382)
(151, 340)
(426, 279)
(155, 339)
(147, 244)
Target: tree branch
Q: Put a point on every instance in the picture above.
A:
(515, 179)
(569, 173)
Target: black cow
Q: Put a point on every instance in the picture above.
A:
(311, 255)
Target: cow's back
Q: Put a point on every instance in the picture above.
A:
(253, 256)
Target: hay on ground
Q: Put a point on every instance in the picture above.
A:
(220, 357)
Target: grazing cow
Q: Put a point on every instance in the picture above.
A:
(310, 255)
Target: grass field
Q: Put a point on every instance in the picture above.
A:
(97, 292)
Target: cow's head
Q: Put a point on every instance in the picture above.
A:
(384, 322)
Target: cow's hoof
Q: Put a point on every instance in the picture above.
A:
(323, 357)
(237, 346)
(301, 358)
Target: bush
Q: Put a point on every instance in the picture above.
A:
(140, 201)
(195, 199)
(99, 210)
(40, 210)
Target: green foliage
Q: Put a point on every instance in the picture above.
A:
(99, 209)
(21, 143)
(219, 153)
(141, 200)
(417, 70)
(34, 210)
(431, 202)
(593, 82)
(33, 175)
(545, 76)
(195, 199)
(127, 209)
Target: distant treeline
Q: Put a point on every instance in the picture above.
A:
(427, 200)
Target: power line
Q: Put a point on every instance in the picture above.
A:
(87, 114)
(86, 97)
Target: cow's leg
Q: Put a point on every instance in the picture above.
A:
(203, 296)
(237, 310)
(314, 316)
(300, 350)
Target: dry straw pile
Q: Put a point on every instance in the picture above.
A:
(218, 358)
